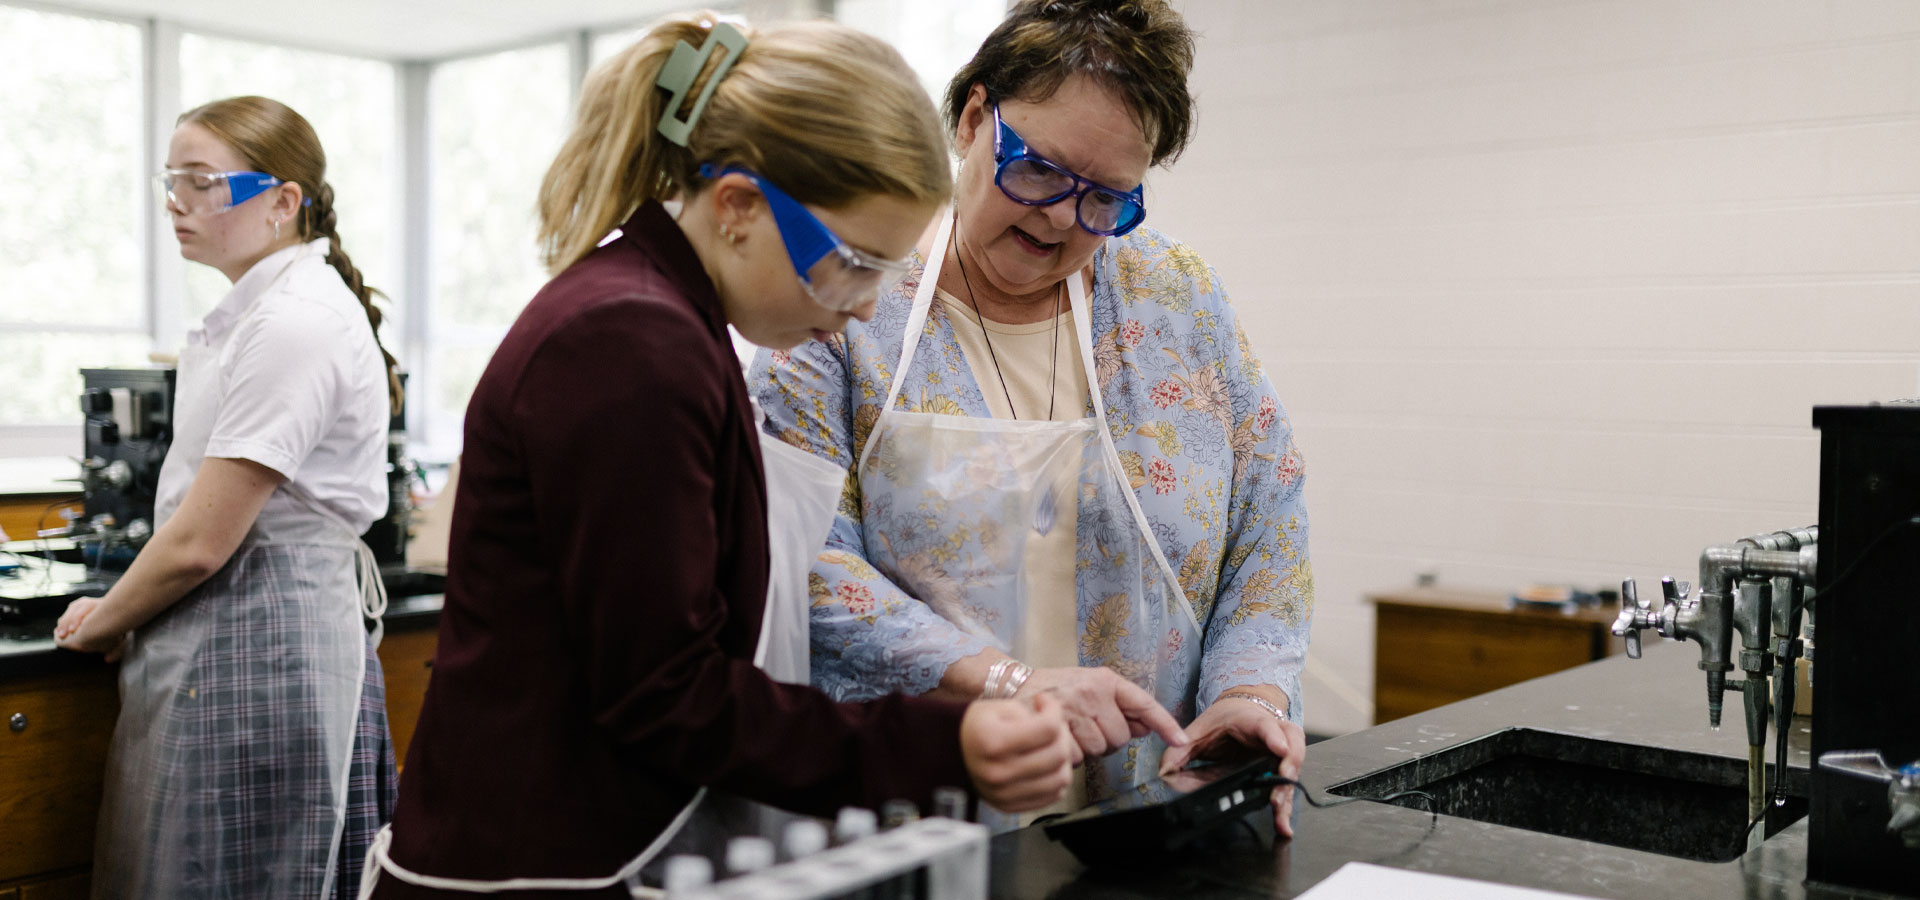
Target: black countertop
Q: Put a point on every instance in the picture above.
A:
(33, 597)
(1658, 702)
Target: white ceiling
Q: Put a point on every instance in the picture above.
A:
(387, 29)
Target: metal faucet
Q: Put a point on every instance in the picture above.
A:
(1708, 616)
(1703, 618)
(1752, 586)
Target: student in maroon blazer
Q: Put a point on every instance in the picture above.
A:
(608, 564)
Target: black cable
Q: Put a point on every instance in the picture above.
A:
(1783, 691)
(1801, 603)
(41, 524)
(1740, 843)
(46, 547)
(1279, 781)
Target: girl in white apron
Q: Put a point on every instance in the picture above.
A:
(251, 757)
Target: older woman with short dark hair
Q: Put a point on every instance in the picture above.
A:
(1068, 472)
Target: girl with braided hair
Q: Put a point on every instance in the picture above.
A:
(252, 757)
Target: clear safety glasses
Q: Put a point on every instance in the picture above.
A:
(197, 192)
(1028, 178)
(836, 276)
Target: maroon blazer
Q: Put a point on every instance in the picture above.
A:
(607, 575)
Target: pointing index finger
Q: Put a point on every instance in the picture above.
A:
(1140, 707)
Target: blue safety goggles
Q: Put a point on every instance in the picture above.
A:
(198, 192)
(837, 276)
(1028, 178)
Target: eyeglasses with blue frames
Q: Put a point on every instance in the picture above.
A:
(198, 192)
(1028, 178)
(837, 276)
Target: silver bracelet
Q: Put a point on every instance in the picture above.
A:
(1004, 678)
(990, 689)
(1021, 672)
(1278, 713)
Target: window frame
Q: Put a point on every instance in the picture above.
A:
(416, 341)
(31, 438)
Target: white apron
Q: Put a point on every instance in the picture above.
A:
(802, 493)
(238, 705)
(950, 505)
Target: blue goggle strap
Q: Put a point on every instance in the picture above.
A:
(807, 238)
(683, 66)
(244, 186)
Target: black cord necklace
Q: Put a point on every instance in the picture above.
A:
(1053, 351)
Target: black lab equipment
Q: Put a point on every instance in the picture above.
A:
(1165, 815)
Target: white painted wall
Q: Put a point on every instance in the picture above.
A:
(1550, 286)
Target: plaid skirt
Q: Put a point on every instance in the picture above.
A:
(251, 757)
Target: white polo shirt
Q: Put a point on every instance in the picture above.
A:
(303, 391)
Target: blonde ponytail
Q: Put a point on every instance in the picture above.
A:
(824, 111)
(613, 160)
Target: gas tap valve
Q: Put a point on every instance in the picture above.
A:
(1675, 601)
(1637, 615)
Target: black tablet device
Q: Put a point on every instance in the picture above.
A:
(1165, 814)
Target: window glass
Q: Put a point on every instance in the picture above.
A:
(497, 121)
(457, 368)
(43, 368)
(936, 36)
(71, 168)
(607, 43)
(349, 101)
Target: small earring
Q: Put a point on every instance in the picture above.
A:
(728, 234)
(276, 229)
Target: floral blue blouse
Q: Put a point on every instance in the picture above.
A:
(1205, 443)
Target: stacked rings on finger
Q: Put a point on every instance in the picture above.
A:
(1004, 679)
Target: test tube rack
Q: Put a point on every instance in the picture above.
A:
(931, 859)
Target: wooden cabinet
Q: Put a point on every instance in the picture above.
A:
(66, 886)
(22, 515)
(53, 753)
(53, 765)
(1433, 646)
(406, 659)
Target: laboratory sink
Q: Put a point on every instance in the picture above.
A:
(1672, 802)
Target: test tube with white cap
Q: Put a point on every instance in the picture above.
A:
(748, 854)
(804, 838)
(686, 872)
(854, 823)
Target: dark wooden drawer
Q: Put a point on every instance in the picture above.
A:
(53, 768)
(406, 659)
(1429, 654)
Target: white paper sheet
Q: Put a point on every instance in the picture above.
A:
(1365, 880)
